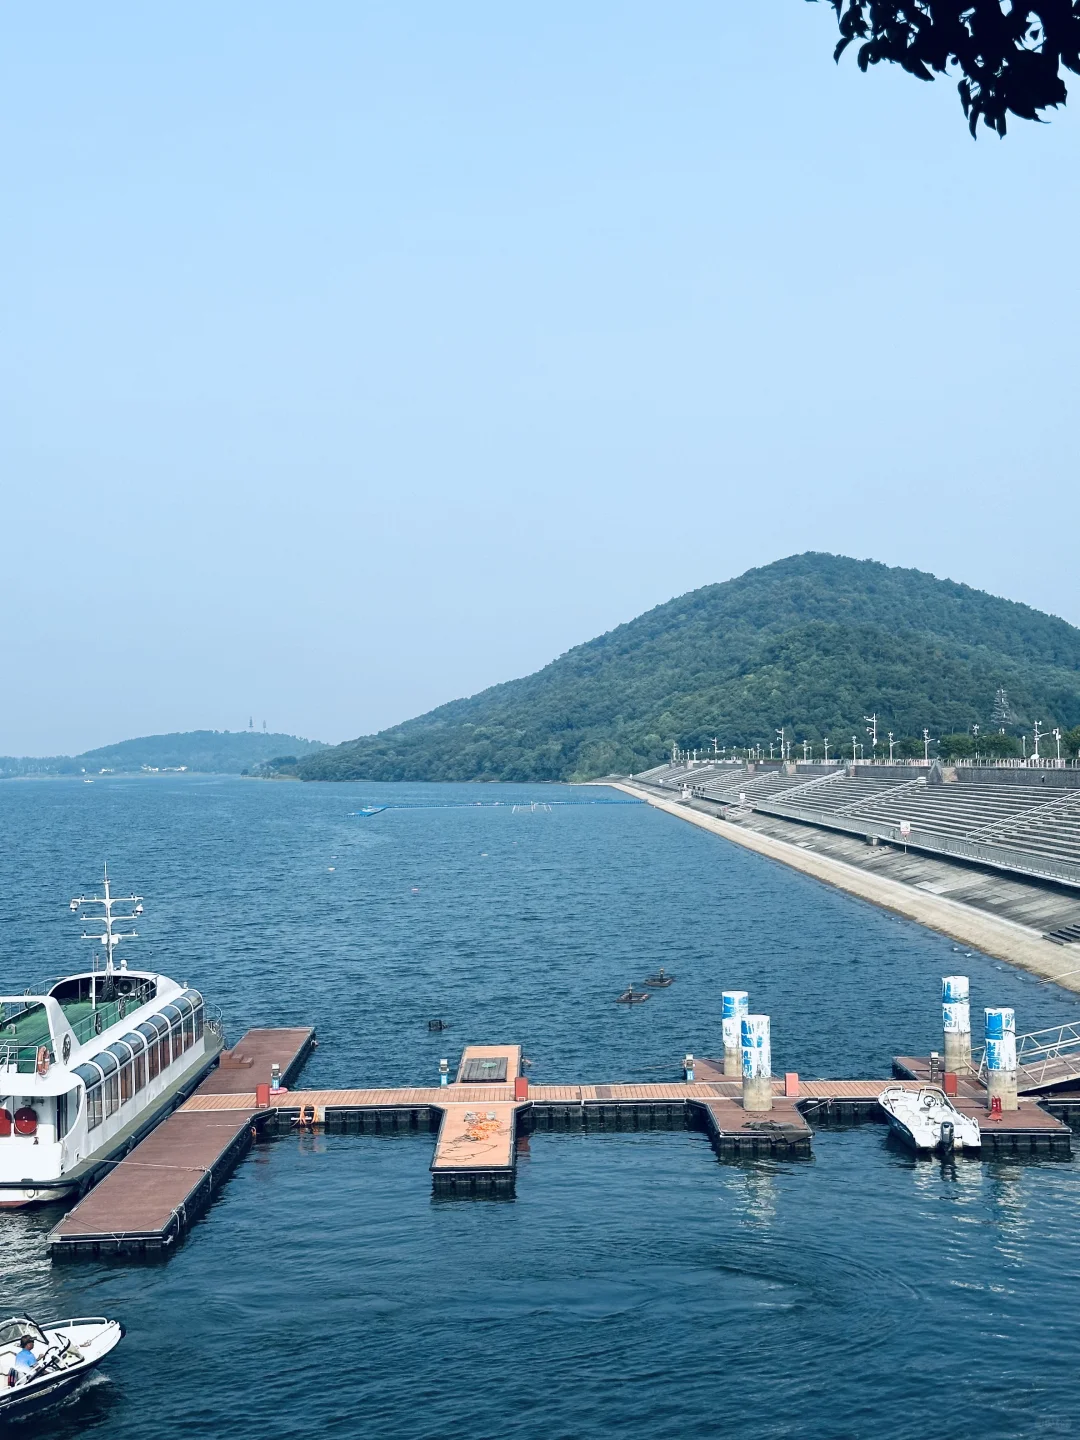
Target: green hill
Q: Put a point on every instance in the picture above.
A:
(218, 752)
(814, 642)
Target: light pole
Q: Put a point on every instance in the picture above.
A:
(892, 742)
(926, 745)
(806, 749)
(975, 732)
(780, 737)
(1057, 742)
(854, 743)
(1037, 737)
(871, 730)
(826, 749)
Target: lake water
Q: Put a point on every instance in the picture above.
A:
(636, 1286)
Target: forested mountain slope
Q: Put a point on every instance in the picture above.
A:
(813, 642)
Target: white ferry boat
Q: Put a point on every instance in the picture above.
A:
(94, 1063)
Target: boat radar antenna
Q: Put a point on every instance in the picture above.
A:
(111, 937)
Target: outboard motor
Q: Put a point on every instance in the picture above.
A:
(948, 1136)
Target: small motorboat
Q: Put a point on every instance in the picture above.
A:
(65, 1351)
(630, 996)
(928, 1120)
(660, 981)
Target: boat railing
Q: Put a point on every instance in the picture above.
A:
(213, 1020)
(22, 1059)
(108, 1012)
(1052, 1053)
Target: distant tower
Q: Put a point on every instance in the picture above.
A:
(251, 722)
(264, 724)
(1002, 713)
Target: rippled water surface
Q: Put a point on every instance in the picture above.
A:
(636, 1286)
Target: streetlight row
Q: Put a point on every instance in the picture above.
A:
(719, 751)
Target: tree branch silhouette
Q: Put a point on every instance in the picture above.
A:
(1009, 54)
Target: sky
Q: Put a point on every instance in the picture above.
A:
(357, 356)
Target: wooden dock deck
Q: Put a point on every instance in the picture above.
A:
(153, 1194)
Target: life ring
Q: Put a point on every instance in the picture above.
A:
(26, 1121)
(43, 1060)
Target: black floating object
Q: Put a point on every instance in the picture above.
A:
(630, 996)
(661, 980)
(437, 1025)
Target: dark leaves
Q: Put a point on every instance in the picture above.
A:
(1009, 54)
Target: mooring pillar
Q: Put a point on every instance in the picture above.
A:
(688, 1068)
(444, 1072)
(956, 1021)
(756, 1063)
(1001, 1058)
(734, 1005)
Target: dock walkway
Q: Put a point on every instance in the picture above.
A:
(153, 1194)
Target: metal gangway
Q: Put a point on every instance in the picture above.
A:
(1045, 1059)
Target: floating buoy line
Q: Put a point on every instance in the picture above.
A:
(366, 811)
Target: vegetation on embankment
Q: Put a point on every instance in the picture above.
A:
(813, 643)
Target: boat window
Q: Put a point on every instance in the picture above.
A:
(199, 1019)
(90, 1075)
(189, 1031)
(110, 1092)
(170, 1012)
(12, 1331)
(177, 1040)
(127, 1082)
(105, 1062)
(93, 1106)
(138, 1064)
(165, 1051)
(134, 1041)
(152, 1057)
(183, 1004)
(64, 1111)
(122, 1051)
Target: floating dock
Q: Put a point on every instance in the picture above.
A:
(152, 1196)
(155, 1192)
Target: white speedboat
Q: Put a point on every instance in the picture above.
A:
(93, 1063)
(65, 1351)
(928, 1120)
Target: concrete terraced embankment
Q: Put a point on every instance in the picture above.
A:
(994, 934)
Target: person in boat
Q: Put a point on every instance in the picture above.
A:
(26, 1361)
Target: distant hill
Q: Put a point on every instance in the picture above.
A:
(814, 643)
(217, 752)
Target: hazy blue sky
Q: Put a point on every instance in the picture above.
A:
(358, 355)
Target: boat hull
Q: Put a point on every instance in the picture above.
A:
(44, 1390)
(59, 1190)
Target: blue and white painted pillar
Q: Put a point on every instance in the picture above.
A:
(756, 1063)
(734, 1005)
(444, 1072)
(688, 1068)
(1001, 1058)
(956, 1021)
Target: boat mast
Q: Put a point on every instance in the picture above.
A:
(111, 938)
